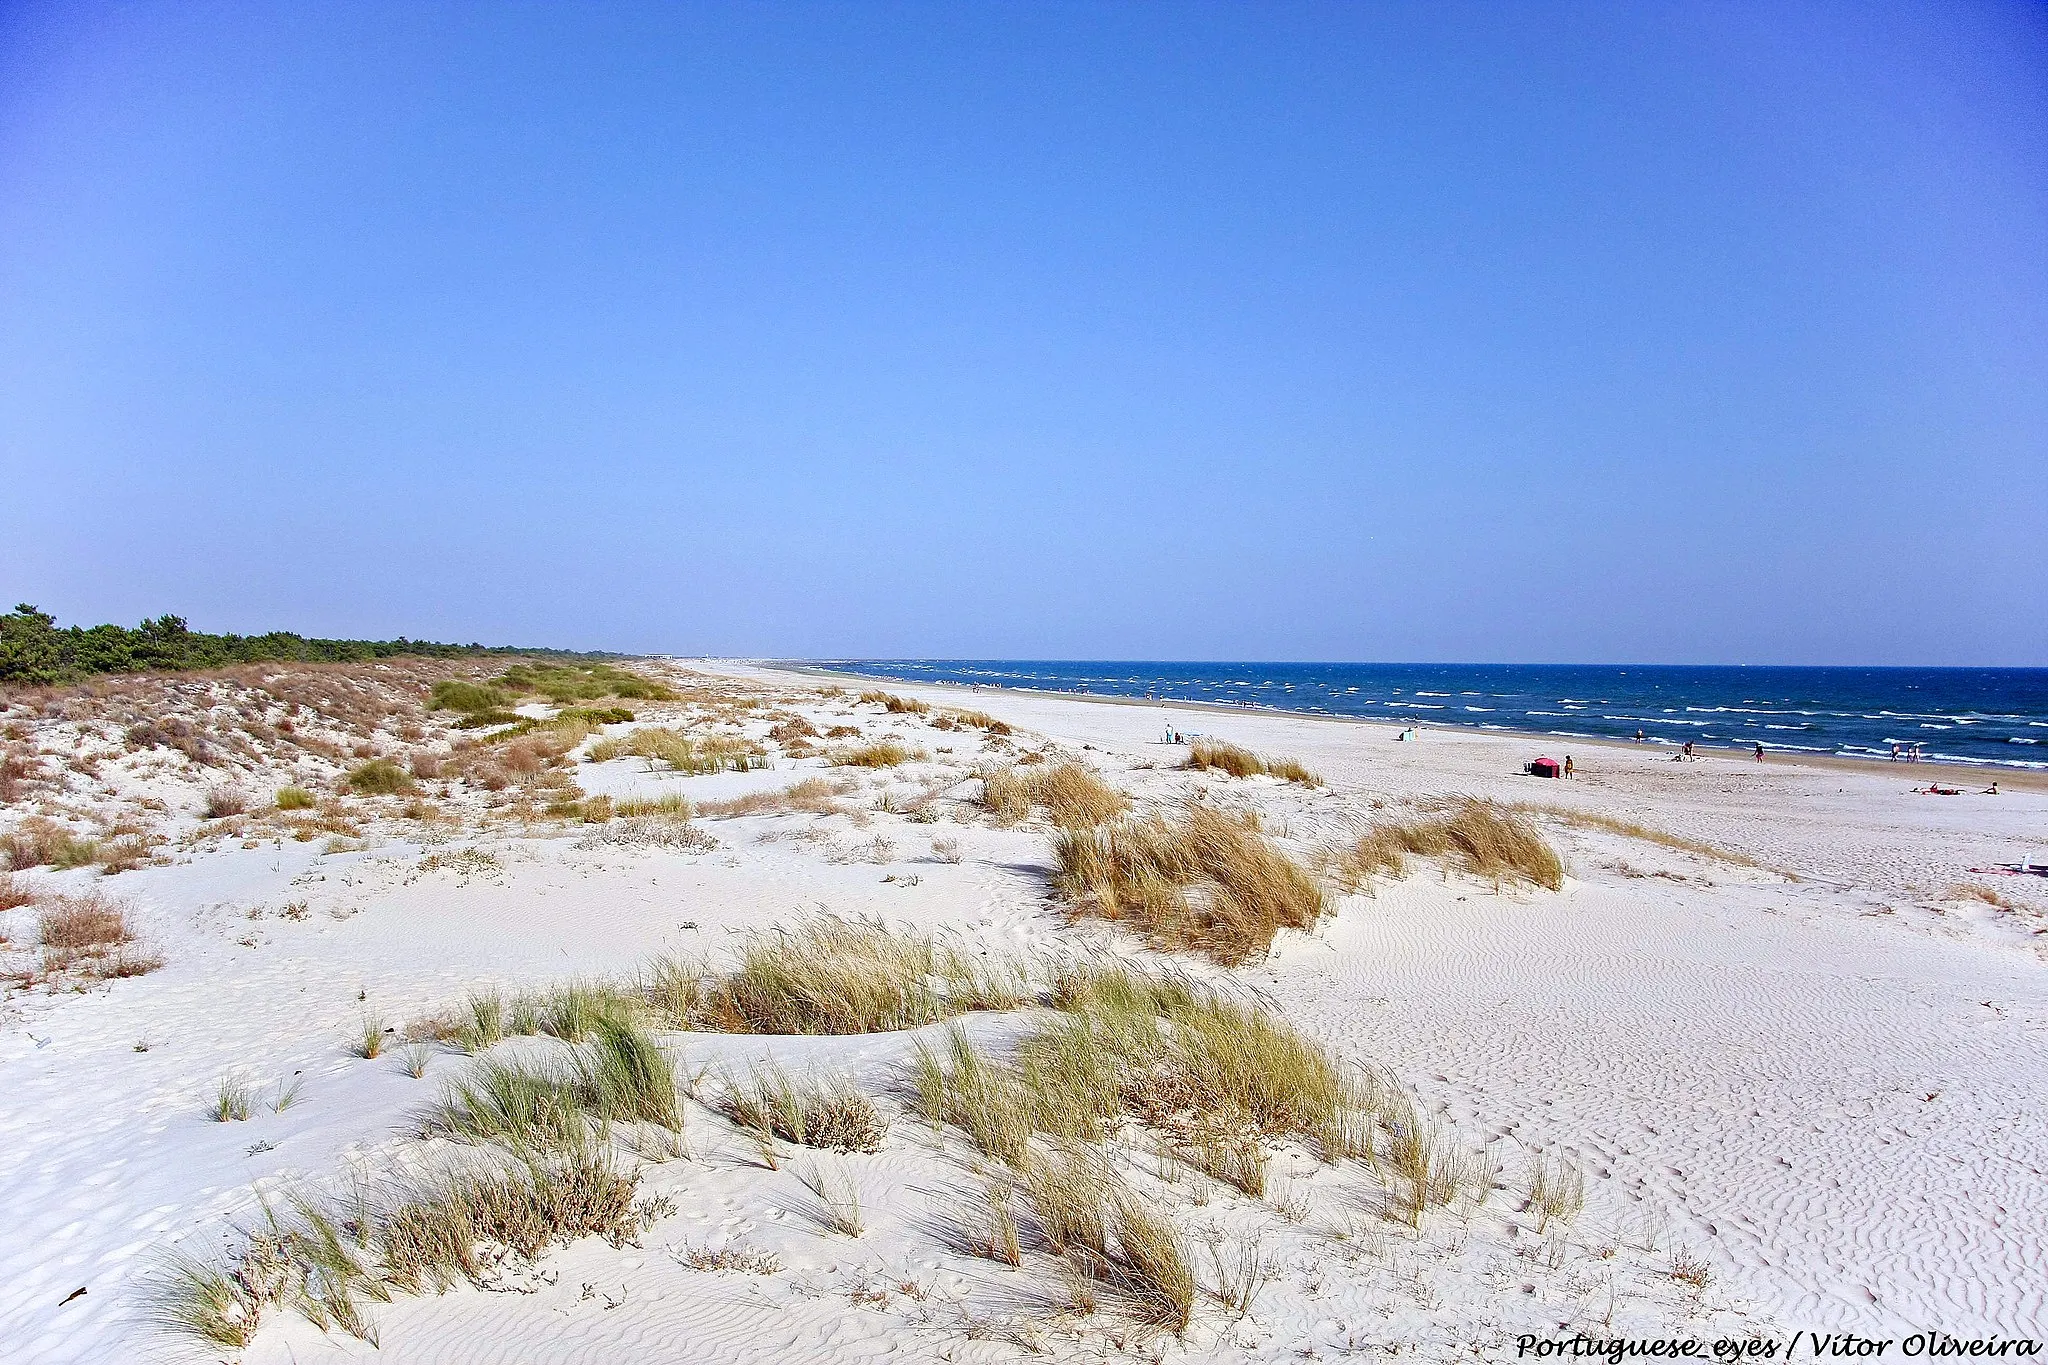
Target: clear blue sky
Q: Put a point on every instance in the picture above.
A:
(1648, 332)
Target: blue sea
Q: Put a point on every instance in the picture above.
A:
(1959, 715)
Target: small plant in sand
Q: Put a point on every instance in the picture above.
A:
(1206, 881)
(15, 892)
(295, 798)
(222, 802)
(370, 1035)
(837, 1194)
(830, 1115)
(1108, 1236)
(230, 1100)
(1557, 1191)
(1240, 762)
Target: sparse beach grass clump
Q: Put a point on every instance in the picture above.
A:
(771, 1105)
(89, 937)
(1582, 819)
(295, 798)
(1206, 882)
(889, 701)
(812, 796)
(1488, 840)
(834, 976)
(1073, 796)
(882, 753)
(1241, 762)
(682, 753)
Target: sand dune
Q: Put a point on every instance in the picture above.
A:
(1809, 1086)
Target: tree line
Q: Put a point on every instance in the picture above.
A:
(35, 651)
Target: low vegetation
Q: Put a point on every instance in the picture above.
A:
(1073, 796)
(835, 976)
(771, 1105)
(1488, 840)
(1229, 758)
(381, 777)
(889, 701)
(1582, 819)
(1204, 882)
(882, 753)
(673, 749)
(812, 796)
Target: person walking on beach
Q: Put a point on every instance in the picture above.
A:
(1639, 736)
(1688, 751)
(1567, 765)
(1759, 751)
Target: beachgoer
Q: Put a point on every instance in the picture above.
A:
(1639, 736)
(1759, 751)
(1895, 753)
(1991, 790)
(1567, 765)
(1688, 749)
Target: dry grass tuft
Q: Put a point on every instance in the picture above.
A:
(1207, 882)
(1073, 796)
(295, 798)
(812, 796)
(979, 720)
(1580, 819)
(222, 802)
(889, 701)
(1960, 891)
(1107, 1235)
(883, 753)
(673, 806)
(834, 976)
(1240, 762)
(1488, 840)
(14, 892)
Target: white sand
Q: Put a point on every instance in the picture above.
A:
(1827, 1089)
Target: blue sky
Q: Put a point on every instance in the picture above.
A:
(1646, 332)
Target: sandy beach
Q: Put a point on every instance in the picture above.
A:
(1784, 1022)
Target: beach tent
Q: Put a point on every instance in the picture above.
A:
(1543, 767)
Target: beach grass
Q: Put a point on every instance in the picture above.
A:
(1205, 881)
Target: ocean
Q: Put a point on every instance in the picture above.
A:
(1956, 715)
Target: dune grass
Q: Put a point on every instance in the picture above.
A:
(680, 752)
(1088, 1215)
(1206, 882)
(889, 701)
(620, 1075)
(1485, 839)
(1581, 819)
(831, 1115)
(1073, 796)
(15, 892)
(1225, 757)
(429, 1233)
(295, 798)
(835, 976)
(978, 720)
(812, 796)
(672, 806)
(882, 753)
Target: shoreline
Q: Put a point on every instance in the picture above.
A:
(2027, 779)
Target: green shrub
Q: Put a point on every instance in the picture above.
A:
(453, 694)
(294, 798)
